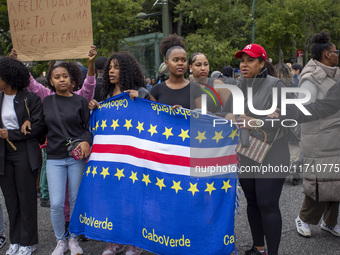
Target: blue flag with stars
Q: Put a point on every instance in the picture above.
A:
(160, 179)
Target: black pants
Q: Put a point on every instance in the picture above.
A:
(263, 196)
(19, 188)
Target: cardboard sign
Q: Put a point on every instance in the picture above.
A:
(50, 29)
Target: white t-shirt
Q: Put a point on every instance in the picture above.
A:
(9, 117)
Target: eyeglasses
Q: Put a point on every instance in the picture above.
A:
(336, 51)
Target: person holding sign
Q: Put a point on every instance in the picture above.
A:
(87, 90)
(20, 155)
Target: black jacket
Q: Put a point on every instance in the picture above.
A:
(35, 116)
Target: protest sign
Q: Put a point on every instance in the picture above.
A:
(50, 29)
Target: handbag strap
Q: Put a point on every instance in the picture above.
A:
(277, 133)
(57, 113)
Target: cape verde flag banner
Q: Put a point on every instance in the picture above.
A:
(154, 180)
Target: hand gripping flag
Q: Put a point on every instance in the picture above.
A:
(159, 179)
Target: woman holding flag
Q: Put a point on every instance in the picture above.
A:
(122, 74)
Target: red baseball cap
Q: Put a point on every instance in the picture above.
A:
(253, 50)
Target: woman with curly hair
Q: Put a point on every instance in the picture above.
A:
(122, 74)
(20, 155)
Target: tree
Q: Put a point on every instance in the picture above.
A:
(112, 22)
(5, 36)
(222, 27)
(283, 26)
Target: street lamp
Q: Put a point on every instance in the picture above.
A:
(253, 23)
(165, 16)
(143, 15)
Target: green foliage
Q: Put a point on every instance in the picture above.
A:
(219, 53)
(222, 27)
(5, 37)
(217, 28)
(38, 68)
(283, 26)
(112, 22)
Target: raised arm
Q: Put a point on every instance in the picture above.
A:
(89, 85)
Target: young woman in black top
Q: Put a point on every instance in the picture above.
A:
(177, 91)
(60, 167)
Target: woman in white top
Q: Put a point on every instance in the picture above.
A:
(20, 155)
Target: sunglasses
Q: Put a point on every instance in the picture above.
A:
(336, 51)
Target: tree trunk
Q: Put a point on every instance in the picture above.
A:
(280, 53)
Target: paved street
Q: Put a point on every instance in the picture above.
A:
(321, 242)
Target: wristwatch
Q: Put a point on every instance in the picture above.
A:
(258, 123)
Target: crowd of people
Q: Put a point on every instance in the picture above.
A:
(51, 111)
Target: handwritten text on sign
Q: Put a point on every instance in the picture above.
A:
(50, 29)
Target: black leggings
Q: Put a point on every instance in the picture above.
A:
(263, 195)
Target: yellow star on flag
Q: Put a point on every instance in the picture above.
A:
(94, 172)
(114, 124)
(167, 132)
(119, 173)
(184, 134)
(226, 186)
(140, 126)
(88, 171)
(177, 186)
(233, 134)
(128, 124)
(97, 126)
(193, 188)
(218, 136)
(105, 172)
(201, 136)
(103, 125)
(210, 187)
(160, 183)
(153, 130)
(146, 179)
(133, 176)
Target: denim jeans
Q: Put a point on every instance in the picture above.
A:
(59, 172)
(43, 179)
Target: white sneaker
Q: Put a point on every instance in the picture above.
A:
(61, 248)
(133, 250)
(302, 227)
(333, 230)
(13, 249)
(74, 247)
(113, 249)
(26, 250)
